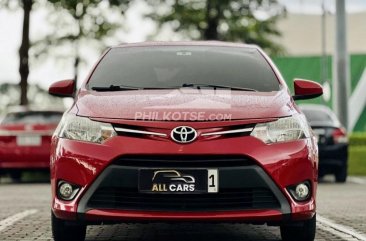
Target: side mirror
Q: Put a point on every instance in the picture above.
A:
(62, 88)
(306, 89)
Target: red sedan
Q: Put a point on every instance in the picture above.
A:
(25, 139)
(192, 131)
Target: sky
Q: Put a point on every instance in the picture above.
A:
(45, 72)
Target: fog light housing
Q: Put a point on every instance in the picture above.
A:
(301, 191)
(67, 191)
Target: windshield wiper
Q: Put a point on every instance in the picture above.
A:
(217, 86)
(114, 88)
(125, 87)
(198, 86)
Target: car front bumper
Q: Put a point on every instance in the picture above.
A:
(278, 165)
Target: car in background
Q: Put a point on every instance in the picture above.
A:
(25, 139)
(332, 140)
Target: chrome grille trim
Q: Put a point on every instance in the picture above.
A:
(118, 129)
(244, 130)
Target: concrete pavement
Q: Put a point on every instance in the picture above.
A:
(25, 215)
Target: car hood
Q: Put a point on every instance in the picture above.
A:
(184, 104)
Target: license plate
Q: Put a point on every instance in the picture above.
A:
(29, 140)
(178, 181)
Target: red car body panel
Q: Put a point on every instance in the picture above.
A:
(251, 215)
(81, 163)
(15, 156)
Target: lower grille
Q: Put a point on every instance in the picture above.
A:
(227, 199)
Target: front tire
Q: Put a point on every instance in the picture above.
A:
(304, 232)
(63, 231)
(341, 175)
(16, 176)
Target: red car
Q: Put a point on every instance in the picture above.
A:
(184, 131)
(25, 140)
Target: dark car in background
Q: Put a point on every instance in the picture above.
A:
(25, 139)
(332, 140)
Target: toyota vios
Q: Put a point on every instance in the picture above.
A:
(192, 131)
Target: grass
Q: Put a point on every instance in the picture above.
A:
(35, 177)
(357, 161)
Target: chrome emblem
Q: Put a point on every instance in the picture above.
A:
(183, 134)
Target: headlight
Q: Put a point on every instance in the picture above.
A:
(83, 129)
(284, 129)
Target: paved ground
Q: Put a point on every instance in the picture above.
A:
(25, 212)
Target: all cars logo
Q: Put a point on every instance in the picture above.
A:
(172, 181)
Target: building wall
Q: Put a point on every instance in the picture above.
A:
(309, 67)
(301, 33)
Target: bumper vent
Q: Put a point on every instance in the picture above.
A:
(243, 199)
(243, 185)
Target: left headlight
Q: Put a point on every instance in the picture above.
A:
(83, 129)
(284, 129)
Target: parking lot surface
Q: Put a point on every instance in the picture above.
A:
(25, 215)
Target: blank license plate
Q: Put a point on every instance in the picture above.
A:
(29, 140)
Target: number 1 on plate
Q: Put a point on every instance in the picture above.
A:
(213, 181)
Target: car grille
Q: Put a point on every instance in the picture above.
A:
(130, 199)
(243, 185)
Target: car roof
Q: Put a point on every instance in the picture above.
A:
(186, 43)
(323, 108)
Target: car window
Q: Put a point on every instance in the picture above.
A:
(172, 66)
(34, 117)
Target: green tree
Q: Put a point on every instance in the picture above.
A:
(252, 22)
(26, 6)
(76, 23)
(9, 96)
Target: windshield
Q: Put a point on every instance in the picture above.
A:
(34, 117)
(173, 66)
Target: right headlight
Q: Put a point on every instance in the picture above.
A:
(284, 129)
(83, 129)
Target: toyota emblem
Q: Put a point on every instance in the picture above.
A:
(183, 134)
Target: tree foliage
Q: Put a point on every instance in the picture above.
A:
(76, 23)
(38, 98)
(26, 6)
(252, 22)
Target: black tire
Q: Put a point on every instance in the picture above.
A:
(305, 231)
(16, 176)
(63, 231)
(341, 175)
